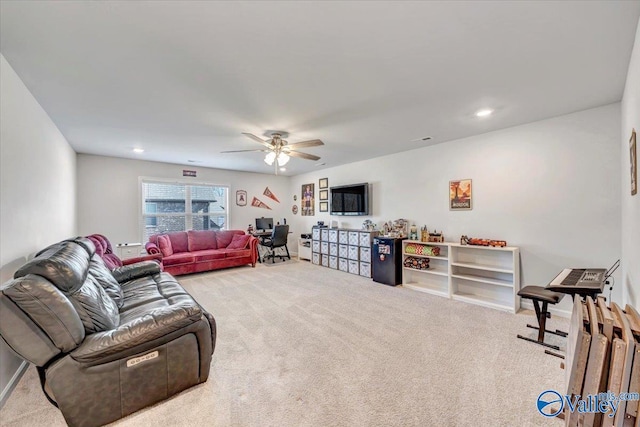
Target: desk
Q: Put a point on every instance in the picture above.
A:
(260, 235)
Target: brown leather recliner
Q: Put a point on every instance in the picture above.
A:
(106, 343)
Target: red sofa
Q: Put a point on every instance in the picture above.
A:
(193, 251)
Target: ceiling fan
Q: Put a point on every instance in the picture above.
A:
(279, 151)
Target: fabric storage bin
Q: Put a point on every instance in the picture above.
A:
(343, 264)
(365, 254)
(354, 267)
(365, 239)
(354, 238)
(333, 249)
(365, 269)
(333, 236)
(343, 237)
(324, 248)
(343, 251)
(333, 262)
(353, 252)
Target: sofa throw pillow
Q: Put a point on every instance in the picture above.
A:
(164, 243)
(239, 241)
(223, 237)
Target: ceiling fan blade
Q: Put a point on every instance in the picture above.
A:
(303, 144)
(243, 151)
(261, 141)
(303, 155)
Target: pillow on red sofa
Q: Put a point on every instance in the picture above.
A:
(239, 241)
(224, 237)
(164, 243)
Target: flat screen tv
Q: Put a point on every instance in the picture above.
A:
(350, 200)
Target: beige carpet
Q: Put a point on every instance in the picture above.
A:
(302, 345)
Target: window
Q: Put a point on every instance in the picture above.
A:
(169, 206)
(151, 207)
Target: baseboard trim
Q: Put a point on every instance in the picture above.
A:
(561, 313)
(13, 382)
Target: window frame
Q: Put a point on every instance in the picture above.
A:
(188, 204)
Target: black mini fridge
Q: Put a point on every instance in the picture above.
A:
(386, 260)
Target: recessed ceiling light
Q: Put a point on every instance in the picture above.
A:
(138, 150)
(192, 161)
(484, 112)
(283, 169)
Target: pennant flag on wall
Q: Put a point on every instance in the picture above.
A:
(259, 204)
(270, 195)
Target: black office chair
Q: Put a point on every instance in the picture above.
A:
(277, 240)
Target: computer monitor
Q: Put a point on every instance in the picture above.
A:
(264, 223)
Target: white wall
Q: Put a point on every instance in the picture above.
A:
(631, 204)
(551, 187)
(109, 200)
(37, 182)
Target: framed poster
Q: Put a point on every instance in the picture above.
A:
(307, 208)
(460, 196)
(323, 183)
(324, 206)
(633, 158)
(241, 198)
(324, 195)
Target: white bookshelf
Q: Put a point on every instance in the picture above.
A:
(487, 276)
(435, 279)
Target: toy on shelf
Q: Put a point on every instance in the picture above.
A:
(464, 240)
(424, 234)
(398, 228)
(413, 235)
(369, 225)
(416, 263)
(436, 237)
(418, 249)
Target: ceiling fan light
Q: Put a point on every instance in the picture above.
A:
(283, 158)
(269, 158)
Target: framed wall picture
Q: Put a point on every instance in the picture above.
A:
(324, 195)
(633, 158)
(307, 207)
(324, 206)
(241, 198)
(323, 183)
(460, 196)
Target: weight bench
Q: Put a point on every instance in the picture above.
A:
(541, 298)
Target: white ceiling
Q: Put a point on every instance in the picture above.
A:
(183, 79)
